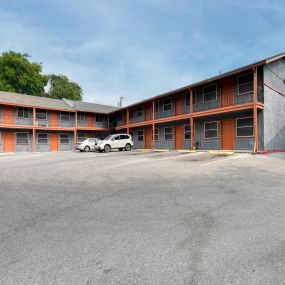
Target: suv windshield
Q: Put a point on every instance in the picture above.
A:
(108, 138)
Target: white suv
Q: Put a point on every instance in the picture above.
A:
(116, 141)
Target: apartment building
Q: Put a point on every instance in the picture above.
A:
(243, 109)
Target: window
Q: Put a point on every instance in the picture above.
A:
(131, 134)
(41, 114)
(124, 137)
(167, 104)
(187, 100)
(80, 116)
(23, 113)
(64, 138)
(64, 116)
(210, 93)
(42, 138)
(99, 118)
(140, 111)
(140, 136)
(81, 137)
(245, 84)
(168, 133)
(120, 117)
(244, 127)
(155, 135)
(131, 113)
(211, 130)
(187, 132)
(22, 138)
(116, 138)
(194, 97)
(156, 107)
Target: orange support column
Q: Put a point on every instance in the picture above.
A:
(34, 131)
(127, 119)
(191, 121)
(75, 127)
(255, 123)
(153, 127)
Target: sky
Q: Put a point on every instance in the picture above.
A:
(141, 48)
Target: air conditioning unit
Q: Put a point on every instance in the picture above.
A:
(42, 123)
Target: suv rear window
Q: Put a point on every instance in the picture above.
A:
(124, 137)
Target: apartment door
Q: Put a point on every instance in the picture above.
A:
(53, 142)
(178, 137)
(53, 119)
(147, 139)
(8, 141)
(227, 134)
(8, 115)
(179, 105)
(89, 121)
(227, 92)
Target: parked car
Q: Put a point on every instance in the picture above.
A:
(116, 141)
(87, 145)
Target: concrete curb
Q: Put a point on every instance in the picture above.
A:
(225, 153)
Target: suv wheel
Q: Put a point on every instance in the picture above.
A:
(107, 148)
(87, 149)
(128, 147)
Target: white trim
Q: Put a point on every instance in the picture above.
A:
(138, 116)
(236, 127)
(167, 104)
(210, 93)
(142, 135)
(189, 132)
(158, 111)
(21, 133)
(42, 111)
(79, 120)
(42, 133)
(218, 128)
(238, 77)
(64, 134)
(23, 112)
(189, 95)
(154, 135)
(169, 133)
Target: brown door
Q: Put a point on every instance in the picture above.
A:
(89, 121)
(53, 119)
(8, 141)
(8, 115)
(179, 105)
(53, 142)
(227, 134)
(148, 112)
(178, 137)
(147, 139)
(227, 92)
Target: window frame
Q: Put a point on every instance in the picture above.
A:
(141, 107)
(22, 133)
(24, 108)
(120, 115)
(172, 133)
(218, 130)
(187, 95)
(167, 104)
(216, 98)
(189, 132)
(131, 113)
(64, 142)
(156, 111)
(80, 134)
(194, 96)
(45, 112)
(238, 84)
(140, 135)
(131, 133)
(63, 113)
(42, 142)
(79, 116)
(155, 135)
(98, 116)
(236, 127)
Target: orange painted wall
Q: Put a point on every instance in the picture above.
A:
(178, 137)
(90, 120)
(53, 142)
(179, 104)
(227, 92)
(53, 118)
(8, 115)
(148, 112)
(8, 141)
(227, 134)
(147, 141)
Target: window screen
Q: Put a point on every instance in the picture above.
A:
(139, 111)
(245, 84)
(211, 130)
(42, 138)
(22, 138)
(64, 138)
(168, 133)
(140, 136)
(23, 112)
(81, 116)
(244, 127)
(155, 135)
(167, 104)
(99, 118)
(41, 114)
(64, 116)
(210, 93)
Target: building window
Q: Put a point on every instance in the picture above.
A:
(168, 134)
(23, 113)
(131, 113)
(245, 84)
(194, 97)
(64, 116)
(167, 104)
(81, 137)
(187, 132)
(41, 114)
(139, 111)
(211, 130)
(42, 138)
(80, 116)
(244, 127)
(22, 138)
(140, 136)
(187, 99)
(131, 134)
(155, 135)
(210, 93)
(64, 138)
(99, 118)
(119, 117)
(156, 107)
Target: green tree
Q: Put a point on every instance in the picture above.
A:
(18, 74)
(61, 87)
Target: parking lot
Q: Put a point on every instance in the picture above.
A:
(142, 218)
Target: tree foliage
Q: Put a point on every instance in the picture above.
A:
(18, 74)
(61, 87)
